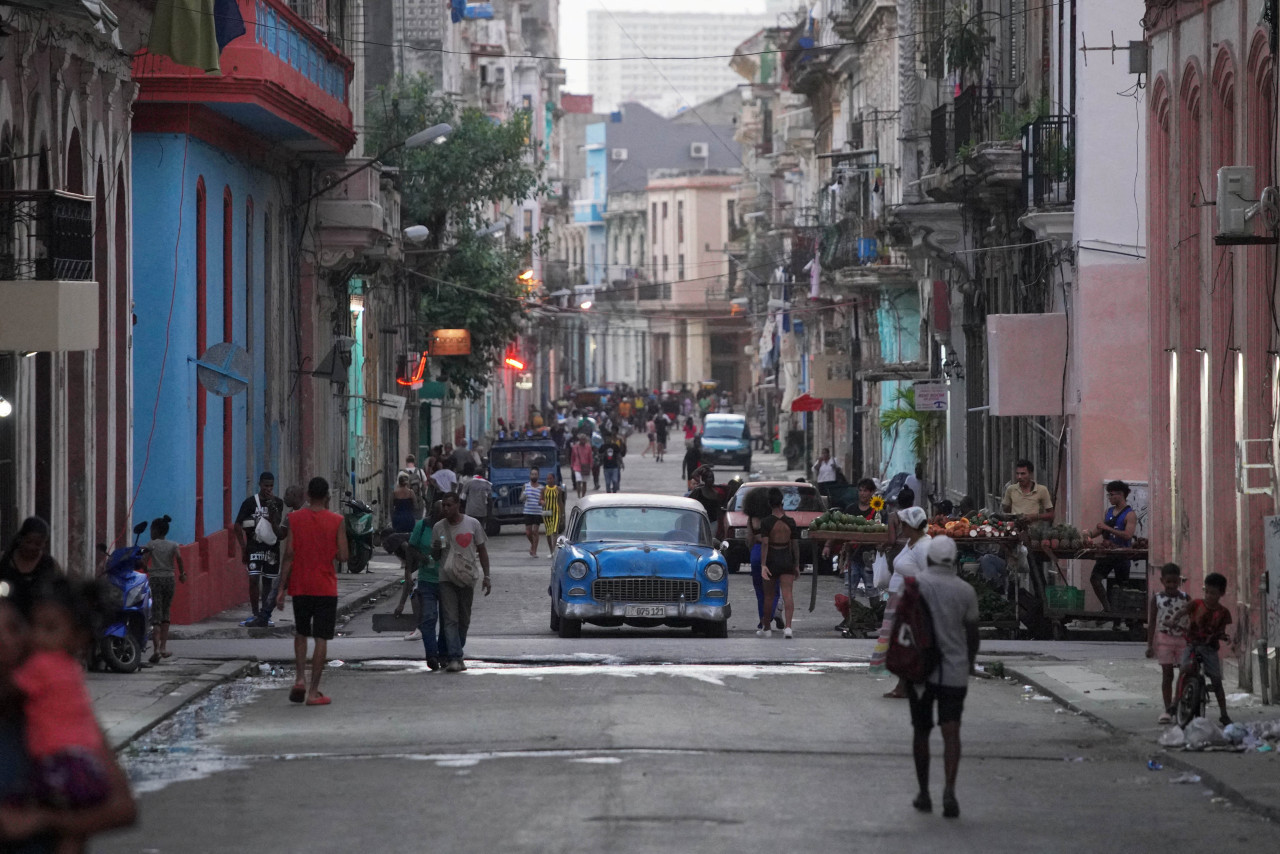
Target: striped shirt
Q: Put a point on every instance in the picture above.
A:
(532, 499)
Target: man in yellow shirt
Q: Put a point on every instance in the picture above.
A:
(1026, 499)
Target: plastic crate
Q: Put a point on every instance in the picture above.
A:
(1125, 601)
(1064, 598)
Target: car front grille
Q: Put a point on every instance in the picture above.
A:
(645, 589)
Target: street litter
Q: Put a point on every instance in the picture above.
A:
(1173, 737)
(1234, 733)
(1202, 733)
(337, 662)
(1154, 765)
(1186, 778)
(1244, 698)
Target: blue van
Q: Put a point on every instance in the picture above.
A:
(726, 440)
(509, 464)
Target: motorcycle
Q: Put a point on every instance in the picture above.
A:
(358, 518)
(126, 593)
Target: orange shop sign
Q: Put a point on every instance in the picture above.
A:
(450, 342)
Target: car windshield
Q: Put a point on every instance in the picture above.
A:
(724, 430)
(643, 524)
(795, 499)
(514, 458)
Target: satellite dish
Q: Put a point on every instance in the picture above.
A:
(224, 369)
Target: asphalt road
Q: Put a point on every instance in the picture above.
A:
(635, 741)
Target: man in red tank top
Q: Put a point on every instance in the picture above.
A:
(316, 539)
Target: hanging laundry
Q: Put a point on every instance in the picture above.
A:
(228, 22)
(814, 269)
(184, 31)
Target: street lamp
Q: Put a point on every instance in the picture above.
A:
(436, 133)
(6, 408)
(416, 233)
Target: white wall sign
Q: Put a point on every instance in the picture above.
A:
(931, 397)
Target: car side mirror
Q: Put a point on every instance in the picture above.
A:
(724, 545)
(562, 541)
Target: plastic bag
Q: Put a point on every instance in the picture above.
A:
(880, 574)
(262, 530)
(1173, 737)
(1202, 733)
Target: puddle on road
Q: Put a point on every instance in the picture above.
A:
(178, 750)
(714, 674)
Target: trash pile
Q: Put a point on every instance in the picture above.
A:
(1204, 734)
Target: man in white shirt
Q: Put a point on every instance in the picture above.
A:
(826, 472)
(953, 607)
(445, 479)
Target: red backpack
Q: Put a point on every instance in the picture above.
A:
(913, 650)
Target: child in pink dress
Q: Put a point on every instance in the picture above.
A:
(63, 739)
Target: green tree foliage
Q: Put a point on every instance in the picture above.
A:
(460, 280)
(928, 425)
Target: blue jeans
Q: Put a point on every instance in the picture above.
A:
(612, 479)
(455, 615)
(859, 571)
(429, 610)
(763, 609)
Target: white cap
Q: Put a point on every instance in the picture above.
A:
(942, 551)
(914, 517)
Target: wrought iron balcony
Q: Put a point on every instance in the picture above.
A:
(46, 271)
(1048, 161)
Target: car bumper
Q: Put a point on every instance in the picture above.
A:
(736, 457)
(592, 611)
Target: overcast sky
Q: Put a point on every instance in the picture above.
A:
(573, 25)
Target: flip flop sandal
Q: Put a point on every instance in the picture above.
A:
(319, 700)
(166, 654)
(154, 659)
(297, 693)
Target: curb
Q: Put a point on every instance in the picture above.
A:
(346, 606)
(1170, 760)
(125, 732)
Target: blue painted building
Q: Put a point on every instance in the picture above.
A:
(588, 210)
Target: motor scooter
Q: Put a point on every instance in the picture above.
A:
(126, 594)
(358, 518)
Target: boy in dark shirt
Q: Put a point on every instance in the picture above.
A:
(1208, 621)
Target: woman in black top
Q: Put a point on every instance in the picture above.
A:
(781, 557)
(27, 563)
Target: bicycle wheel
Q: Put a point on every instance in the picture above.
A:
(1190, 699)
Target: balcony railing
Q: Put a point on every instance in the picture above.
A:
(982, 116)
(1048, 161)
(281, 77)
(46, 272)
(939, 135)
(45, 234)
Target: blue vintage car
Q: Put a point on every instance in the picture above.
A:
(639, 560)
(509, 464)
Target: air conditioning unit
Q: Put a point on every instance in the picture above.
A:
(618, 154)
(699, 149)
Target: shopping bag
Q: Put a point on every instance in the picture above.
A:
(880, 574)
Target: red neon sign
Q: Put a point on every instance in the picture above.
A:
(416, 378)
(513, 362)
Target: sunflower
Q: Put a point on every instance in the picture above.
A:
(877, 503)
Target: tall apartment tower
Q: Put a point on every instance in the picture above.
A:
(667, 85)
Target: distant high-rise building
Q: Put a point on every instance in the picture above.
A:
(666, 85)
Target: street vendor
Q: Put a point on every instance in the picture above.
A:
(1026, 499)
(1118, 527)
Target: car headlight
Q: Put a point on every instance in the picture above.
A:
(714, 571)
(577, 570)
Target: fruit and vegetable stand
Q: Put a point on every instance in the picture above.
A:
(1045, 609)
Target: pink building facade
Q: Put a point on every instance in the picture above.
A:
(1212, 355)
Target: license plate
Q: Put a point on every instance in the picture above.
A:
(740, 533)
(646, 610)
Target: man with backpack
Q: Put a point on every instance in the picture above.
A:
(933, 645)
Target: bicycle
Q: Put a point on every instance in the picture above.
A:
(1192, 696)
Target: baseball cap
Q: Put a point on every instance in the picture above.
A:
(942, 551)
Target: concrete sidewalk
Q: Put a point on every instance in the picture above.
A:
(1122, 693)
(130, 704)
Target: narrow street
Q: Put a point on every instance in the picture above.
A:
(633, 741)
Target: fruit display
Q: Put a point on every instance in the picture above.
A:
(981, 525)
(1057, 537)
(835, 520)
